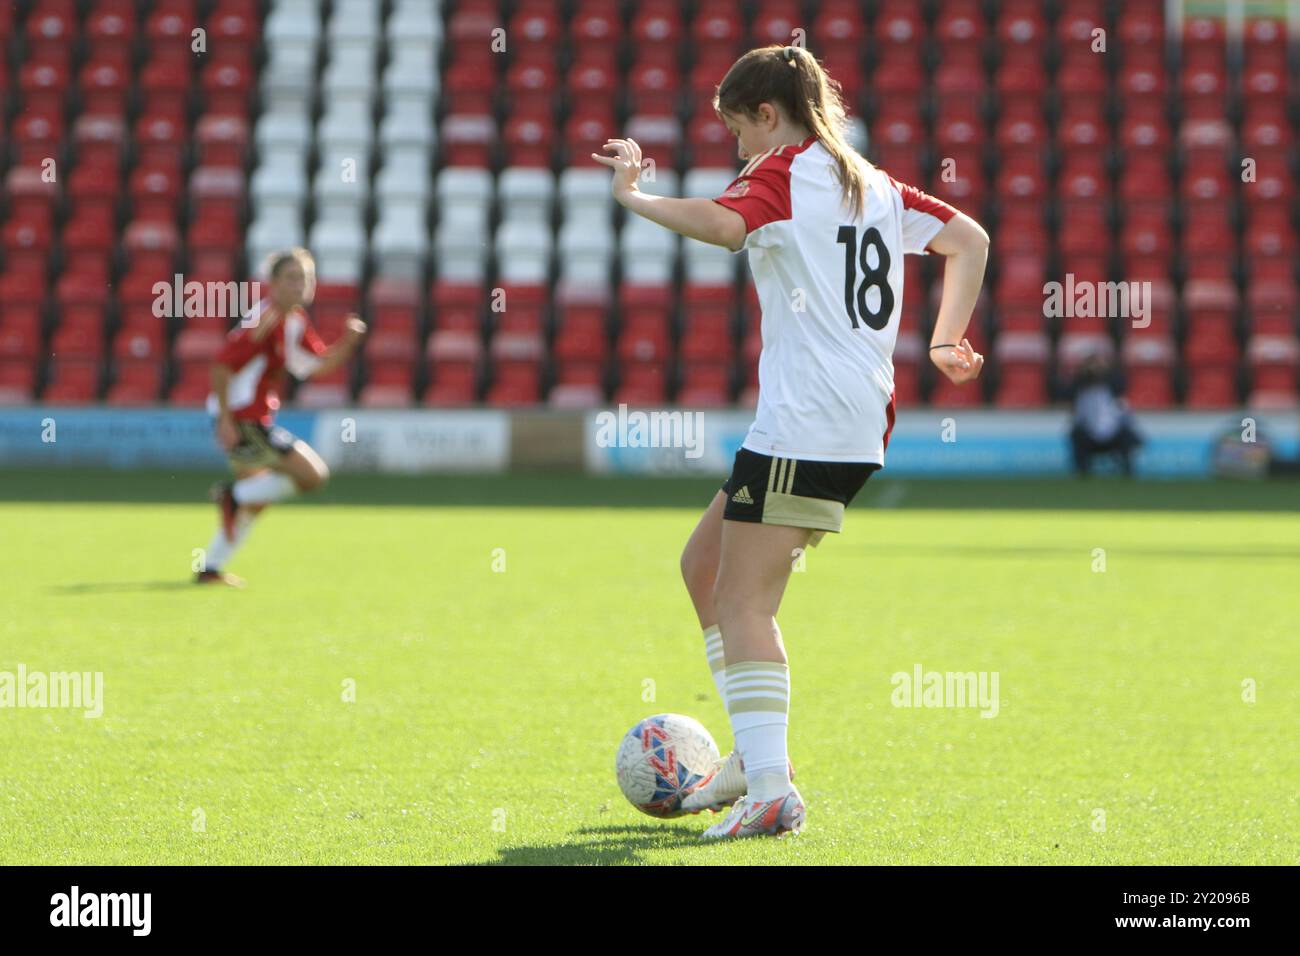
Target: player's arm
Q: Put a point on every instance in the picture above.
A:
(701, 219)
(965, 245)
(343, 348)
(227, 433)
(241, 345)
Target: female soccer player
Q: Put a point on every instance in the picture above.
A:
(269, 463)
(826, 232)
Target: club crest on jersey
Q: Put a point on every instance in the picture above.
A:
(737, 189)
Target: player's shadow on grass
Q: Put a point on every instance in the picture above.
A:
(119, 587)
(599, 846)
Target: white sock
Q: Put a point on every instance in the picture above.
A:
(221, 549)
(264, 488)
(717, 659)
(758, 700)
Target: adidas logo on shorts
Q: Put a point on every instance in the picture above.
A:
(742, 496)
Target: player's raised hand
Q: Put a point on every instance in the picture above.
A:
(354, 328)
(960, 364)
(626, 163)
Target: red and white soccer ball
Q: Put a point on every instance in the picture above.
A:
(662, 759)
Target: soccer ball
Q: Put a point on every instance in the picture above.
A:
(662, 759)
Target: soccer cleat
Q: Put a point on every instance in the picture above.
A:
(725, 787)
(224, 495)
(754, 818)
(219, 577)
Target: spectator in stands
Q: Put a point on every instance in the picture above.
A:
(1103, 424)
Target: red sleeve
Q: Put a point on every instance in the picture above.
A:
(311, 339)
(923, 216)
(239, 348)
(761, 193)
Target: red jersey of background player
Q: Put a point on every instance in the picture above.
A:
(258, 359)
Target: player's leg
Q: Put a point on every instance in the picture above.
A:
(269, 464)
(753, 573)
(778, 509)
(232, 530)
(289, 466)
(299, 468)
(699, 566)
(304, 467)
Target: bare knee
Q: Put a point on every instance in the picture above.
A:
(699, 571)
(307, 469)
(690, 565)
(312, 478)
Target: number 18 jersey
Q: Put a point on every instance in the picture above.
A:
(830, 285)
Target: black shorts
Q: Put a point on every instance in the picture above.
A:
(259, 446)
(799, 493)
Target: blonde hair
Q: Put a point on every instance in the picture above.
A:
(277, 260)
(790, 77)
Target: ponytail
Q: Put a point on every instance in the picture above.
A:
(792, 78)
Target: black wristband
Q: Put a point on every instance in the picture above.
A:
(952, 346)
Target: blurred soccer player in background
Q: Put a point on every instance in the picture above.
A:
(269, 463)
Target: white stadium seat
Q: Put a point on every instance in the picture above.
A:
(526, 194)
(586, 254)
(464, 184)
(648, 252)
(408, 124)
(266, 234)
(524, 252)
(461, 255)
(707, 264)
(339, 246)
(400, 242)
(706, 183)
(405, 176)
(279, 177)
(283, 131)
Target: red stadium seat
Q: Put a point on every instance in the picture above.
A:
(38, 137)
(51, 33)
(72, 382)
(234, 24)
(165, 85)
(705, 383)
(217, 192)
(141, 340)
(1211, 388)
(596, 23)
(642, 383)
(898, 74)
(394, 304)
(20, 336)
(470, 85)
(168, 28)
(226, 84)
(104, 85)
(898, 23)
(136, 382)
(17, 380)
(452, 383)
(222, 141)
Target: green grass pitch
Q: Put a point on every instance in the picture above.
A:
(488, 703)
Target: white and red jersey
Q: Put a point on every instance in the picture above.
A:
(830, 284)
(258, 351)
